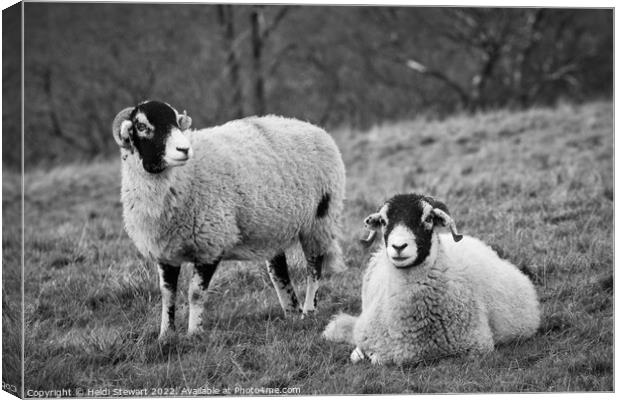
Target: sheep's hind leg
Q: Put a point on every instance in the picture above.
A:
(168, 279)
(198, 295)
(278, 272)
(314, 267)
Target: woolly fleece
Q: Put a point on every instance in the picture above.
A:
(468, 299)
(251, 191)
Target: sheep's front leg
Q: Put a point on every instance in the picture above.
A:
(315, 265)
(357, 355)
(168, 279)
(278, 272)
(198, 295)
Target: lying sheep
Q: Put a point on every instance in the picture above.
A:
(426, 294)
(246, 190)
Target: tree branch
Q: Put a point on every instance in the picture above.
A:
(275, 22)
(420, 68)
(277, 58)
(226, 20)
(55, 119)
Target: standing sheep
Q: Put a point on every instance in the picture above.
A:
(427, 294)
(246, 190)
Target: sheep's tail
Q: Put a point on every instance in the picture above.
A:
(333, 259)
(340, 328)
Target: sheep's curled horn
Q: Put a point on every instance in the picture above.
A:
(120, 136)
(440, 210)
(449, 222)
(368, 222)
(368, 241)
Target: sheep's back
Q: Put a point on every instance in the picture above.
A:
(508, 295)
(270, 174)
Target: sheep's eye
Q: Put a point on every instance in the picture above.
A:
(382, 222)
(140, 127)
(429, 219)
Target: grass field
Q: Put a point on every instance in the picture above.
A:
(536, 184)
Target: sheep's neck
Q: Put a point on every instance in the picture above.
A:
(410, 281)
(142, 192)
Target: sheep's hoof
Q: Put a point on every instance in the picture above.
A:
(308, 313)
(357, 355)
(195, 332)
(374, 359)
(166, 336)
(292, 312)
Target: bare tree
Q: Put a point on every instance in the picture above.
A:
(527, 55)
(226, 20)
(557, 61)
(315, 58)
(531, 36)
(261, 30)
(483, 33)
(55, 119)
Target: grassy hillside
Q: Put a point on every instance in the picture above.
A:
(11, 282)
(537, 185)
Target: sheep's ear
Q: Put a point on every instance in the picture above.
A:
(185, 121)
(373, 221)
(120, 128)
(446, 220)
(373, 224)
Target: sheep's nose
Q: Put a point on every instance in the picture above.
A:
(183, 150)
(399, 248)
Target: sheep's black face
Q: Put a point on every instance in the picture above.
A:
(407, 240)
(157, 137)
(406, 222)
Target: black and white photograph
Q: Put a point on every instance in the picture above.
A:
(297, 199)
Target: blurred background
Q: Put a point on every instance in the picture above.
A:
(333, 66)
